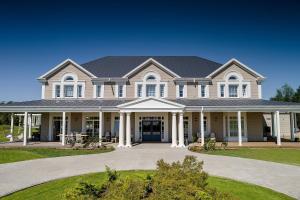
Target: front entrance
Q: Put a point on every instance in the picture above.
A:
(151, 130)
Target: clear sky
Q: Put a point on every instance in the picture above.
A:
(37, 35)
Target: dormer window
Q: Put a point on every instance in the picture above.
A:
(68, 87)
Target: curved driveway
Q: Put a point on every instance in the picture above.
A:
(280, 177)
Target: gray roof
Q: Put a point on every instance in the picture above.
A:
(184, 66)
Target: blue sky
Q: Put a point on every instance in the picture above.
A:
(37, 35)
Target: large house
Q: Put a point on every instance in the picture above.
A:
(176, 99)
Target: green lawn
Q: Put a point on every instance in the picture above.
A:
(281, 155)
(8, 155)
(54, 189)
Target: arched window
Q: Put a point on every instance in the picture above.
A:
(232, 78)
(150, 78)
(69, 78)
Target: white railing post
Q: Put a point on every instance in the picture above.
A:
(128, 130)
(278, 128)
(25, 128)
(240, 127)
(174, 130)
(100, 127)
(121, 130)
(63, 140)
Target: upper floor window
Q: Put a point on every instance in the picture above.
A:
(150, 78)
(162, 90)
(232, 78)
(68, 91)
(57, 91)
(69, 78)
(120, 91)
(222, 90)
(233, 90)
(203, 91)
(79, 90)
(150, 90)
(244, 90)
(181, 90)
(139, 90)
(98, 91)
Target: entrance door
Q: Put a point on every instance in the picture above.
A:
(57, 127)
(151, 130)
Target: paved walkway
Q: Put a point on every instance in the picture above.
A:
(19, 175)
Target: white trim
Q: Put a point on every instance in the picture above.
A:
(95, 90)
(226, 127)
(206, 90)
(259, 89)
(238, 62)
(149, 61)
(184, 90)
(117, 90)
(43, 91)
(57, 67)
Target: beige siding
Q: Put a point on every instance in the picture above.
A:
(213, 89)
(285, 126)
(165, 77)
(109, 90)
(255, 126)
(216, 121)
(69, 69)
(44, 126)
(107, 122)
(192, 90)
(195, 123)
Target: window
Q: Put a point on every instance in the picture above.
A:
(139, 90)
(92, 125)
(57, 91)
(233, 90)
(205, 123)
(162, 90)
(181, 88)
(98, 91)
(79, 90)
(202, 91)
(233, 126)
(244, 90)
(222, 90)
(150, 90)
(232, 78)
(120, 91)
(69, 78)
(150, 78)
(68, 90)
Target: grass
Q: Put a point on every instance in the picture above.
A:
(8, 155)
(5, 130)
(54, 189)
(281, 155)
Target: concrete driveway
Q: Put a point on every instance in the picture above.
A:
(280, 177)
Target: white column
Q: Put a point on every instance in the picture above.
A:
(11, 126)
(278, 128)
(121, 130)
(19, 128)
(63, 138)
(181, 133)
(292, 126)
(240, 127)
(174, 130)
(100, 127)
(29, 125)
(128, 130)
(202, 128)
(25, 128)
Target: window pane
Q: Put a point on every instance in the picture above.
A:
(150, 90)
(222, 90)
(57, 91)
(120, 88)
(181, 90)
(139, 90)
(98, 91)
(202, 90)
(68, 90)
(244, 91)
(233, 126)
(79, 90)
(150, 78)
(233, 91)
(162, 90)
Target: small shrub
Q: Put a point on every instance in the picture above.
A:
(84, 191)
(209, 145)
(224, 145)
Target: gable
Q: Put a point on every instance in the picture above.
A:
(151, 104)
(234, 68)
(235, 65)
(63, 65)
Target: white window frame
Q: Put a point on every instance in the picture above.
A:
(240, 82)
(117, 90)
(75, 82)
(206, 90)
(157, 81)
(226, 127)
(95, 90)
(184, 90)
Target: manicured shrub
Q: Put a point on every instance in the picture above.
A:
(178, 181)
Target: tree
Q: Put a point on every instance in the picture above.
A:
(297, 95)
(285, 93)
